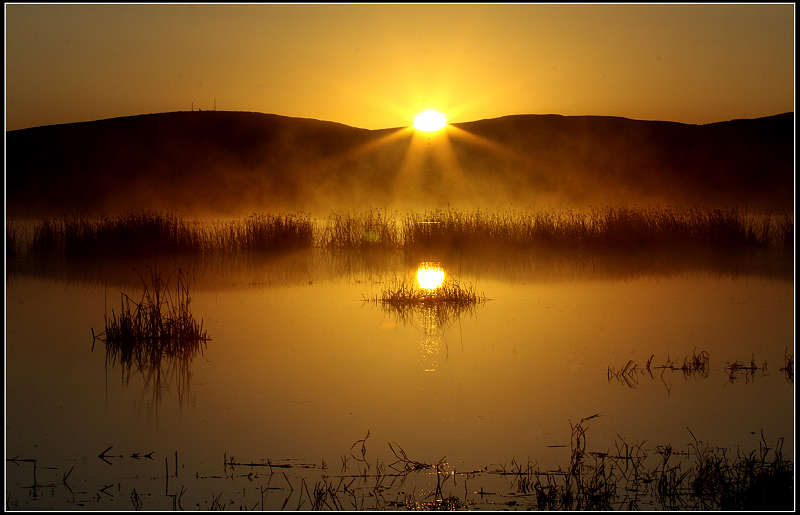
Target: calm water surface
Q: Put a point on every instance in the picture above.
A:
(299, 367)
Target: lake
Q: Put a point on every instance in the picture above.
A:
(299, 368)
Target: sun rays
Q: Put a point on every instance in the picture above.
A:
(430, 162)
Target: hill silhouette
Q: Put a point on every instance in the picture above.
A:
(219, 162)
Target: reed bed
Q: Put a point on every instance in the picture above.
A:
(450, 229)
(261, 233)
(146, 234)
(371, 230)
(135, 234)
(610, 229)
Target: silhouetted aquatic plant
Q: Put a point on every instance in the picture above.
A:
(748, 369)
(404, 294)
(788, 366)
(157, 330)
(750, 481)
(695, 364)
(406, 464)
(449, 301)
(160, 319)
(701, 477)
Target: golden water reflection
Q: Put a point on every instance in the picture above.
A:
(431, 320)
(433, 347)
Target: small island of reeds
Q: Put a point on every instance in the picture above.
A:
(404, 294)
(449, 300)
(158, 326)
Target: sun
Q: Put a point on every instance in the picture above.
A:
(429, 121)
(429, 276)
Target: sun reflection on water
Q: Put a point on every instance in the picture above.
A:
(430, 276)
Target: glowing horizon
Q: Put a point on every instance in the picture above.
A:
(379, 64)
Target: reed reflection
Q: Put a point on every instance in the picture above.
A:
(156, 337)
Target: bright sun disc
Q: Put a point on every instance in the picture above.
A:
(430, 277)
(429, 121)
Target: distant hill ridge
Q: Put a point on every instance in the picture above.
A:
(234, 162)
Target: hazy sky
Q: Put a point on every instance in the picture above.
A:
(375, 66)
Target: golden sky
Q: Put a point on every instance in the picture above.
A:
(375, 66)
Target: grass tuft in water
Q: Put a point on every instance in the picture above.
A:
(749, 481)
(405, 294)
(788, 366)
(437, 307)
(158, 327)
(748, 369)
(695, 365)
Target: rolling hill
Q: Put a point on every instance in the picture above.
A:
(220, 162)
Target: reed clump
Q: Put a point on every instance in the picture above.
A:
(750, 481)
(437, 307)
(788, 365)
(748, 369)
(405, 294)
(158, 326)
(697, 364)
